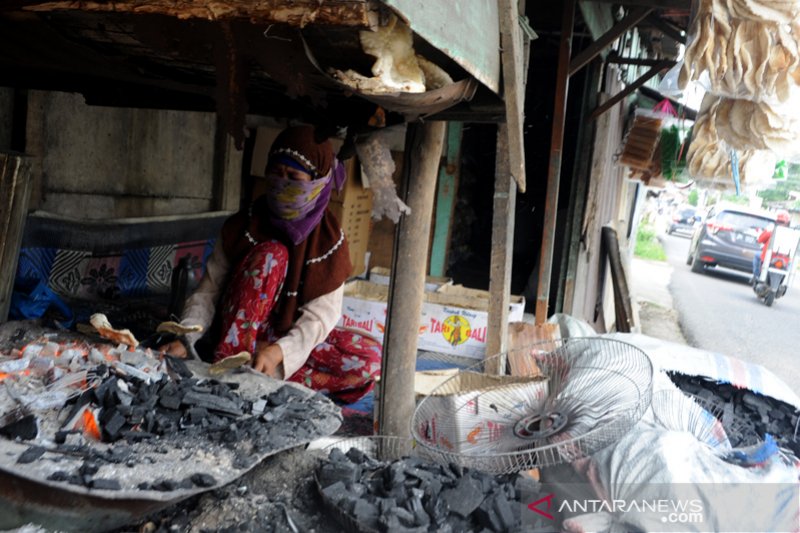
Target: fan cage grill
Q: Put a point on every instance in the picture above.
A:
(603, 385)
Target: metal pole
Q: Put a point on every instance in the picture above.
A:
(423, 152)
(554, 171)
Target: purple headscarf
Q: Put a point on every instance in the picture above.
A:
(297, 207)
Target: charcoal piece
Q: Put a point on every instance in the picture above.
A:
(357, 490)
(334, 492)
(487, 516)
(414, 505)
(456, 469)
(58, 475)
(165, 485)
(88, 468)
(406, 517)
(357, 456)
(212, 403)
(136, 416)
(433, 488)
(259, 406)
(195, 415)
(366, 513)
(178, 366)
(385, 505)
(170, 401)
(346, 472)
(105, 484)
(202, 479)
(130, 463)
(436, 508)
(505, 513)
(143, 486)
(30, 455)
(465, 497)
(186, 484)
(26, 428)
(396, 474)
(61, 436)
(285, 394)
(113, 425)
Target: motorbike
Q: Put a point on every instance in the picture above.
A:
(778, 268)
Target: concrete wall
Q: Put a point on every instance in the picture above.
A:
(103, 162)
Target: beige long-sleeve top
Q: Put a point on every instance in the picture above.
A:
(317, 317)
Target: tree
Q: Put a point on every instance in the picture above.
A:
(693, 197)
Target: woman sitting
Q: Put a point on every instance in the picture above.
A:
(283, 298)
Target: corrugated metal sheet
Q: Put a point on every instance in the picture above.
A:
(468, 32)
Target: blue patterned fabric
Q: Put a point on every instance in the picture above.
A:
(112, 261)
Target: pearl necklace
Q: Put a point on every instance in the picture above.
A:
(247, 233)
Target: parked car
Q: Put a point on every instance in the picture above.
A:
(683, 220)
(728, 237)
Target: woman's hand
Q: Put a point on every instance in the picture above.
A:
(175, 348)
(268, 358)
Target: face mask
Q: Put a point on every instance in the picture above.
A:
(291, 199)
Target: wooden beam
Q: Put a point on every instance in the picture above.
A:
(554, 169)
(15, 188)
(623, 309)
(667, 29)
(611, 102)
(634, 61)
(447, 189)
(297, 13)
(505, 196)
(513, 86)
(407, 282)
(634, 16)
(655, 4)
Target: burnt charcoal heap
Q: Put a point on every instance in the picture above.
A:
(139, 424)
(414, 495)
(756, 415)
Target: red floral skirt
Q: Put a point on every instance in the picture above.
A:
(344, 366)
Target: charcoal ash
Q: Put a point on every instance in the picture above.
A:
(747, 415)
(412, 494)
(278, 490)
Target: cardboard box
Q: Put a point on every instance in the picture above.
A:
(453, 320)
(380, 275)
(469, 416)
(353, 207)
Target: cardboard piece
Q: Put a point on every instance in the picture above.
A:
(353, 208)
(474, 416)
(468, 420)
(453, 321)
(380, 275)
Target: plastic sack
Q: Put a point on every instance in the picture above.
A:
(36, 303)
(653, 464)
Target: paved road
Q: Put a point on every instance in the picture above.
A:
(719, 312)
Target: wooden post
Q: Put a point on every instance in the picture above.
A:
(505, 197)
(15, 189)
(407, 283)
(513, 61)
(554, 170)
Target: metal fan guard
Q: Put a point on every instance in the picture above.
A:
(737, 430)
(629, 367)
